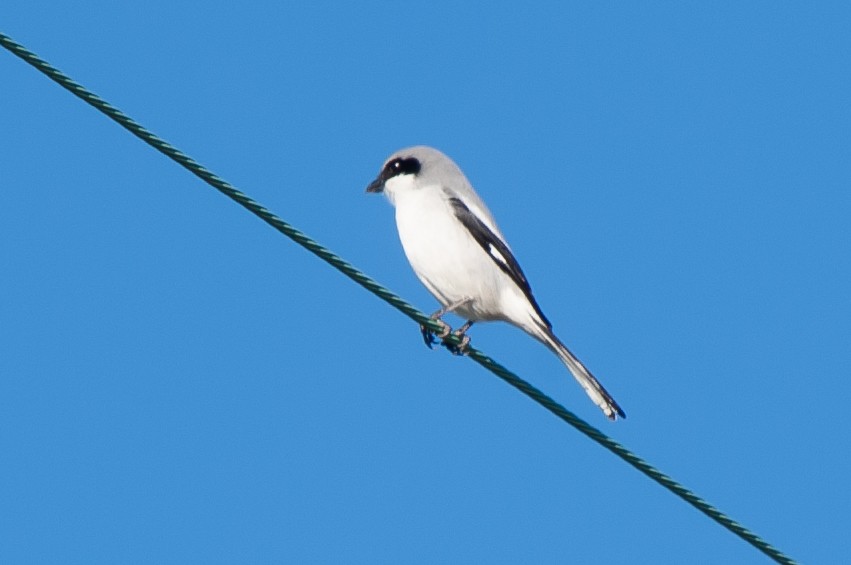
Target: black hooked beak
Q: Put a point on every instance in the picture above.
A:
(377, 185)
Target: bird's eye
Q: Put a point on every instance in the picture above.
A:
(402, 166)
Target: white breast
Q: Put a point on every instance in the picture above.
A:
(445, 257)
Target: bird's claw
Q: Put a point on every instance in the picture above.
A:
(445, 331)
(428, 334)
(462, 348)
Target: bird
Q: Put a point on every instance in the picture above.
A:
(458, 252)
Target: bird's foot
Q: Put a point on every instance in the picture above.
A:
(428, 334)
(462, 348)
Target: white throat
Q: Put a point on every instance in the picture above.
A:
(399, 185)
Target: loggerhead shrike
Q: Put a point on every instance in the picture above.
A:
(459, 254)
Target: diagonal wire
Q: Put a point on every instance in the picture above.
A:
(350, 271)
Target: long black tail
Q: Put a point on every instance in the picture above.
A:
(583, 376)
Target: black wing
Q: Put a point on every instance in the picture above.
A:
(496, 250)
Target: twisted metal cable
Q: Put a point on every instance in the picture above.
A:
(350, 271)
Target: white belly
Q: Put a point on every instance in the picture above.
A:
(448, 261)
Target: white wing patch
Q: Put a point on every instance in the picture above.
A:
(496, 248)
(496, 254)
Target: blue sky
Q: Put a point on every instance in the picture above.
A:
(179, 383)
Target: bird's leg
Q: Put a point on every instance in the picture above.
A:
(428, 335)
(461, 333)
